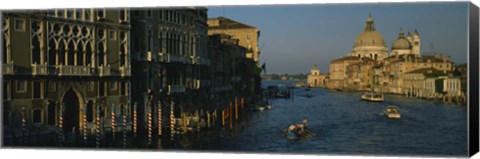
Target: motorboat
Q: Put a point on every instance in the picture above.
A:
(269, 106)
(392, 112)
(372, 97)
(261, 108)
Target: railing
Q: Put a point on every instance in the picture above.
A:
(104, 70)
(125, 71)
(38, 69)
(178, 58)
(162, 57)
(203, 61)
(236, 79)
(66, 70)
(175, 89)
(222, 88)
(8, 68)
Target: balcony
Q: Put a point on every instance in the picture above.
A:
(177, 58)
(66, 70)
(236, 79)
(162, 57)
(222, 88)
(203, 61)
(104, 70)
(38, 69)
(8, 68)
(172, 89)
(125, 71)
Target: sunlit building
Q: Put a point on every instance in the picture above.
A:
(246, 34)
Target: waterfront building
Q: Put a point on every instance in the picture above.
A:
(315, 78)
(369, 68)
(64, 68)
(338, 71)
(171, 64)
(247, 35)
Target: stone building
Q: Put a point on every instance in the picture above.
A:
(338, 71)
(171, 64)
(246, 34)
(315, 78)
(64, 68)
(369, 67)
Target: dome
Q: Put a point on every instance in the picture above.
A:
(369, 37)
(401, 44)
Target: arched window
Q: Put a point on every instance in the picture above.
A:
(71, 53)
(51, 113)
(37, 116)
(51, 52)
(90, 112)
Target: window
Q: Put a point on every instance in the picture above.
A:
(37, 89)
(52, 86)
(100, 13)
(70, 14)
(6, 115)
(6, 90)
(91, 86)
(37, 116)
(90, 112)
(113, 85)
(112, 35)
(87, 14)
(135, 13)
(78, 14)
(61, 13)
(19, 24)
(149, 12)
(101, 89)
(51, 113)
(21, 86)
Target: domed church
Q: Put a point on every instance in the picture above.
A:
(409, 45)
(370, 43)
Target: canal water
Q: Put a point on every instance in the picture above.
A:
(344, 124)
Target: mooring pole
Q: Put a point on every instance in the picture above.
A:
(113, 122)
(135, 119)
(97, 126)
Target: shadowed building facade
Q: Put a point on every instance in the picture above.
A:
(60, 66)
(171, 64)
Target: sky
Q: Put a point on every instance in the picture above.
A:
(295, 37)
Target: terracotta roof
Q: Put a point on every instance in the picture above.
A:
(226, 23)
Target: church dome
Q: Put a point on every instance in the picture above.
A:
(401, 42)
(369, 37)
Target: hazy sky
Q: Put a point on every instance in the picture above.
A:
(295, 37)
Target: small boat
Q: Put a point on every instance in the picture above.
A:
(392, 112)
(296, 131)
(372, 97)
(261, 108)
(269, 106)
(308, 95)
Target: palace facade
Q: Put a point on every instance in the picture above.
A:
(64, 68)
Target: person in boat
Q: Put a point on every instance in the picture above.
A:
(298, 127)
